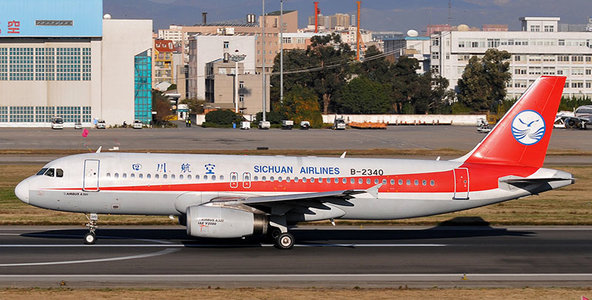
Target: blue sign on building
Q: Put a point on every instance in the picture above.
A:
(51, 18)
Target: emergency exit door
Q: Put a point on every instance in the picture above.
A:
(461, 184)
(90, 182)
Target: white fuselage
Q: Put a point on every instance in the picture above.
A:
(166, 184)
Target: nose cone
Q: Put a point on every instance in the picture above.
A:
(22, 191)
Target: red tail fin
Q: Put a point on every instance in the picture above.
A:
(522, 136)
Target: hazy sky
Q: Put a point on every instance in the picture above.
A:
(376, 14)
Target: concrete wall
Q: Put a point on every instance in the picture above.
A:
(470, 120)
(122, 41)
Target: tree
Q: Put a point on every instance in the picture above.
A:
(161, 105)
(301, 104)
(375, 67)
(223, 117)
(406, 84)
(363, 96)
(483, 83)
(322, 67)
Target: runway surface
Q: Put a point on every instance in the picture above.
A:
(323, 256)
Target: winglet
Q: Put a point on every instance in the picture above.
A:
(99, 150)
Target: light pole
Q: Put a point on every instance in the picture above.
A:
(263, 58)
(281, 52)
(236, 58)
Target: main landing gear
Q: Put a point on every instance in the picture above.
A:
(278, 230)
(90, 238)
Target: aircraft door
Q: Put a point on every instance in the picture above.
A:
(90, 182)
(247, 180)
(461, 184)
(233, 180)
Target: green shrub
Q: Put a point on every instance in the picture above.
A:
(223, 117)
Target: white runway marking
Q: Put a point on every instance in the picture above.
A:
(67, 262)
(206, 245)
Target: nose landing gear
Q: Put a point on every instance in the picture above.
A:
(90, 238)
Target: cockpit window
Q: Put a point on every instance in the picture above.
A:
(59, 173)
(50, 172)
(42, 171)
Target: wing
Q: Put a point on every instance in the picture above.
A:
(254, 200)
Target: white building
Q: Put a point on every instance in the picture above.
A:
(413, 46)
(538, 50)
(72, 63)
(174, 33)
(206, 48)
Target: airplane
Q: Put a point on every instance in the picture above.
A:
(235, 196)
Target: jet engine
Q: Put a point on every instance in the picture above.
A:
(224, 222)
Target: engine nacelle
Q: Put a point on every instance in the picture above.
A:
(224, 222)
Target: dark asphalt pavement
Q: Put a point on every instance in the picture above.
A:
(323, 256)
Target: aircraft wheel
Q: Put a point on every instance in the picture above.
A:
(284, 241)
(90, 238)
(275, 233)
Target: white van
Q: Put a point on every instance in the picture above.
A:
(57, 123)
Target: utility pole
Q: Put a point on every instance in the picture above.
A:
(281, 52)
(358, 33)
(263, 58)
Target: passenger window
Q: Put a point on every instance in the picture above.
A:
(196, 177)
(352, 181)
(416, 182)
(116, 175)
(392, 182)
(271, 178)
(221, 177)
(424, 182)
(213, 177)
(375, 181)
(172, 176)
(344, 180)
(432, 183)
(59, 173)
(263, 178)
(164, 176)
(148, 176)
(124, 175)
(132, 175)
(295, 179)
(189, 177)
(360, 181)
(408, 182)
(42, 171)
(50, 172)
(204, 178)
(336, 180)
(304, 179)
(288, 179)
(256, 178)
(400, 181)
(384, 181)
(156, 176)
(280, 179)
(109, 175)
(141, 176)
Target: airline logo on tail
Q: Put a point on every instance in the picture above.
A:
(528, 127)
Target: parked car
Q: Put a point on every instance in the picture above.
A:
(245, 125)
(339, 124)
(287, 124)
(77, 125)
(138, 124)
(57, 123)
(264, 125)
(101, 124)
(304, 125)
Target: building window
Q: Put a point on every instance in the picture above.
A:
(143, 87)
(535, 28)
(549, 28)
(226, 44)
